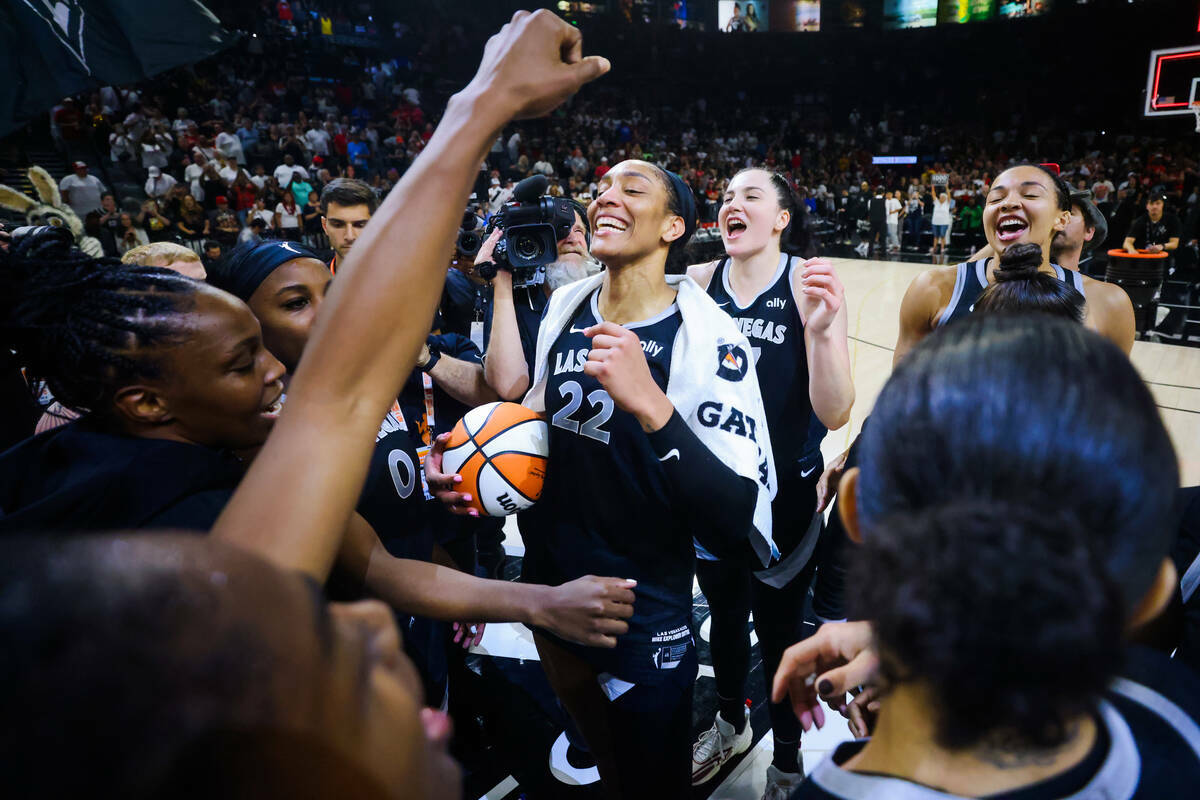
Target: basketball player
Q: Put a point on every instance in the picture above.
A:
(1086, 232)
(292, 506)
(795, 317)
(656, 436)
(1025, 685)
(1025, 204)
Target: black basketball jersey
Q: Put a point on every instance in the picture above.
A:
(771, 321)
(393, 499)
(1147, 747)
(603, 509)
(971, 280)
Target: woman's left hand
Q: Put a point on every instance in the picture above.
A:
(821, 295)
(619, 363)
(468, 634)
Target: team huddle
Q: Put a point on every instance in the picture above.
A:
(303, 422)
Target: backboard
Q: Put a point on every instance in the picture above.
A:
(1173, 81)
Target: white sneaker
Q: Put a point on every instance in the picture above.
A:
(780, 785)
(717, 745)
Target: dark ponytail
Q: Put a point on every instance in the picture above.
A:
(953, 595)
(1015, 503)
(1021, 286)
(82, 324)
(796, 239)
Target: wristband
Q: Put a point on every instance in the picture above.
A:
(434, 356)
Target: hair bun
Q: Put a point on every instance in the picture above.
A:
(1019, 263)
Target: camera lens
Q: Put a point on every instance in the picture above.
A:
(469, 242)
(528, 248)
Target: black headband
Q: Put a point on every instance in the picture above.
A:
(245, 268)
(687, 204)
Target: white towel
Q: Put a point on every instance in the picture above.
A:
(713, 386)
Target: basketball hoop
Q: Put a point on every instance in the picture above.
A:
(1196, 113)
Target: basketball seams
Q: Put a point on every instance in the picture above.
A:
(514, 453)
(504, 479)
(488, 459)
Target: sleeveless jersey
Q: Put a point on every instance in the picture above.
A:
(971, 280)
(602, 509)
(771, 321)
(393, 499)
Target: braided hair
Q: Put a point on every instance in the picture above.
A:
(85, 325)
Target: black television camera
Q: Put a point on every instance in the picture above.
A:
(471, 234)
(533, 224)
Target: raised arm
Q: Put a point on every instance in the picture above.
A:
(504, 367)
(296, 499)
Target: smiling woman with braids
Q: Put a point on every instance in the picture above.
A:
(170, 373)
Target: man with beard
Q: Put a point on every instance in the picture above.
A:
(511, 325)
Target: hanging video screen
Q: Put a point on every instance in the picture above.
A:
(743, 16)
(796, 15)
(1023, 8)
(954, 12)
(899, 14)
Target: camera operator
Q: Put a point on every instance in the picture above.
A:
(511, 323)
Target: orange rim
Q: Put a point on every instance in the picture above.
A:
(1118, 253)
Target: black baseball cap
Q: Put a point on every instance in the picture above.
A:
(1083, 199)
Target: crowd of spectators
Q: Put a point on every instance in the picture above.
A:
(239, 148)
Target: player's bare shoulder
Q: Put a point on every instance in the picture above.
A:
(934, 289)
(702, 273)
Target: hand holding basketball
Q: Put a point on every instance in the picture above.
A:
(821, 295)
(619, 363)
(493, 462)
(445, 486)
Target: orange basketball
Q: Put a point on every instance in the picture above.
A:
(500, 451)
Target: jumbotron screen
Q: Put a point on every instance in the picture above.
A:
(796, 15)
(1023, 8)
(955, 12)
(743, 16)
(899, 14)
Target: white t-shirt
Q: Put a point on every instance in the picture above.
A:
(158, 187)
(266, 215)
(893, 211)
(283, 174)
(941, 212)
(318, 141)
(230, 146)
(85, 192)
(192, 175)
(287, 220)
(229, 174)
